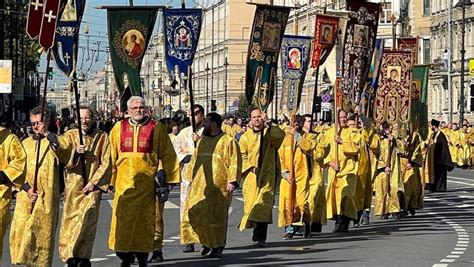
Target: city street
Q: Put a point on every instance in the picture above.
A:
(438, 235)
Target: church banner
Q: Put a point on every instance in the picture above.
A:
(182, 28)
(295, 52)
(67, 36)
(262, 58)
(359, 43)
(325, 36)
(393, 97)
(368, 94)
(130, 30)
(408, 44)
(419, 100)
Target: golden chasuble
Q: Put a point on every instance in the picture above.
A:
(216, 162)
(81, 211)
(136, 150)
(12, 163)
(32, 235)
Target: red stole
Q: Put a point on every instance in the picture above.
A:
(145, 137)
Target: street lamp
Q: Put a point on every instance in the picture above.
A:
(226, 64)
(462, 5)
(207, 87)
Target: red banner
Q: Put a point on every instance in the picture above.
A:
(393, 97)
(325, 35)
(409, 44)
(35, 16)
(48, 25)
(359, 42)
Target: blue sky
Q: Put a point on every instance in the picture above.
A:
(89, 59)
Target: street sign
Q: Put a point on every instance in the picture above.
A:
(5, 76)
(35, 16)
(49, 22)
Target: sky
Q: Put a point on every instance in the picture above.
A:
(89, 60)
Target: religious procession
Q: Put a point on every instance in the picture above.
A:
(376, 157)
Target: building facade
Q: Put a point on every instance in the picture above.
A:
(444, 85)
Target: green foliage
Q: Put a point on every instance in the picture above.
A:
(242, 112)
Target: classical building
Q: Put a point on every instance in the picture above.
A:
(444, 91)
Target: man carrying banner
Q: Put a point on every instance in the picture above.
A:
(311, 144)
(12, 167)
(184, 148)
(344, 147)
(137, 145)
(388, 184)
(214, 172)
(259, 186)
(36, 213)
(412, 166)
(82, 202)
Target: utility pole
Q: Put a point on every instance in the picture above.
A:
(207, 87)
(450, 49)
(462, 4)
(226, 64)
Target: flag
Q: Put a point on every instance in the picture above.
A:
(419, 103)
(35, 17)
(325, 36)
(359, 43)
(52, 10)
(67, 36)
(375, 65)
(262, 58)
(130, 30)
(368, 94)
(294, 64)
(393, 97)
(408, 44)
(182, 28)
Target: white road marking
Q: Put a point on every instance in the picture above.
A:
(175, 237)
(168, 241)
(456, 182)
(171, 205)
(111, 255)
(98, 259)
(447, 260)
(168, 204)
(463, 179)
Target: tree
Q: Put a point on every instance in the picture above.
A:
(243, 109)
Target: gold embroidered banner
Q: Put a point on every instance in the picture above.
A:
(393, 97)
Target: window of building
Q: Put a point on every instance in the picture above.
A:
(426, 51)
(426, 7)
(386, 12)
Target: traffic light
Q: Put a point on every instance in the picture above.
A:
(213, 105)
(50, 73)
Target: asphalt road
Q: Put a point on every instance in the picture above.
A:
(439, 235)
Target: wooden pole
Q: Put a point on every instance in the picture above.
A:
(38, 142)
(81, 137)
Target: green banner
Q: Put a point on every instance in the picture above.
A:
(419, 97)
(130, 30)
(264, 48)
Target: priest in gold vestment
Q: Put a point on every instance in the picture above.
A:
(137, 145)
(82, 202)
(412, 167)
(214, 172)
(33, 228)
(12, 167)
(260, 181)
(342, 175)
(388, 183)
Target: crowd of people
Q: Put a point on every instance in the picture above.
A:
(319, 172)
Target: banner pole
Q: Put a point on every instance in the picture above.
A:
(38, 142)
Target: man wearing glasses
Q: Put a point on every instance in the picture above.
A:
(82, 200)
(138, 144)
